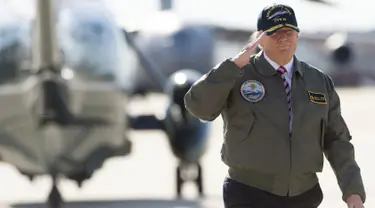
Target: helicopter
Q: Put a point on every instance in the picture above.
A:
(68, 77)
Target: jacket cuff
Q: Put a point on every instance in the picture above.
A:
(349, 193)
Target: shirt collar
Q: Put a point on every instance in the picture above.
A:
(288, 66)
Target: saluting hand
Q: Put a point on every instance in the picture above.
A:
(243, 57)
(354, 201)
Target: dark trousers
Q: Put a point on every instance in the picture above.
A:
(238, 195)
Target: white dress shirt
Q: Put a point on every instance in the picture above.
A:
(289, 69)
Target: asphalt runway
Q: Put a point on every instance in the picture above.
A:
(146, 177)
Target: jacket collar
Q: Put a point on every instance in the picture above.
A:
(268, 70)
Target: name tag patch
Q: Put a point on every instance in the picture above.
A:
(316, 97)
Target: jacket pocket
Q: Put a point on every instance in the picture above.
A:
(241, 127)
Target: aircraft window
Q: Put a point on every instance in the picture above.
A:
(91, 43)
(97, 28)
(15, 57)
(88, 32)
(91, 48)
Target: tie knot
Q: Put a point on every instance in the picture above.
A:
(281, 70)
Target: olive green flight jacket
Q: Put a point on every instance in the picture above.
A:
(258, 146)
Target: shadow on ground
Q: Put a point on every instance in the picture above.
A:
(139, 203)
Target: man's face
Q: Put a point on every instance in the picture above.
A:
(283, 42)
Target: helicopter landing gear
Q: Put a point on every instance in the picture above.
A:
(54, 198)
(184, 173)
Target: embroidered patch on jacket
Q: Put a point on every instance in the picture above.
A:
(316, 97)
(252, 91)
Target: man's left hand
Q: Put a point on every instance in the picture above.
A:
(354, 201)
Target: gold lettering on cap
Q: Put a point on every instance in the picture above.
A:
(275, 7)
(287, 10)
(279, 19)
(270, 10)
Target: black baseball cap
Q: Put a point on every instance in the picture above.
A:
(275, 17)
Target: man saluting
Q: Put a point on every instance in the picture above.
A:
(281, 115)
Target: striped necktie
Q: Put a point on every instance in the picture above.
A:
(282, 71)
